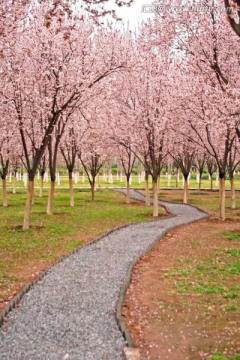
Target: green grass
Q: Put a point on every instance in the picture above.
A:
(206, 200)
(210, 277)
(232, 308)
(135, 182)
(208, 289)
(231, 236)
(219, 356)
(52, 236)
(197, 270)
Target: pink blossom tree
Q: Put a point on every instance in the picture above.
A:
(5, 158)
(92, 142)
(9, 147)
(68, 150)
(127, 159)
(200, 162)
(53, 152)
(48, 71)
(184, 153)
(212, 132)
(42, 171)
(232, 163)
(140, 112)
(207, 91)
(15, 165)
(212, 168)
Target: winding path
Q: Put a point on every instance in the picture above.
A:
(70, 313)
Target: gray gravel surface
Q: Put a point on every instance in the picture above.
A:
(70, 313)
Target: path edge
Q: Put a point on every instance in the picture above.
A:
(18, 297)
(123, 290)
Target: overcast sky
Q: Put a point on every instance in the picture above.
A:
(133, 14)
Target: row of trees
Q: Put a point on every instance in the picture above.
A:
(171, 91)
(201, 168)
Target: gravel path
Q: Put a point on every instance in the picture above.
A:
(70, 313)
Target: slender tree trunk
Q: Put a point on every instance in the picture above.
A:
(169, 176)
(26, 221)
(128, 191)
(177, 174)
(147, 193)
(4, 187)
(155, 198)
(233, 194)
(71, 190)
(41, 186)
(211, 182)
(93, 189)
(222, 198)
(14, 184)
(185, 191)
(199, 184)
(51, 198)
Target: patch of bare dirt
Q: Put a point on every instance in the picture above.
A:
(167, 319)
(19, 227)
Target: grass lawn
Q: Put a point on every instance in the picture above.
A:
(135, 183)
(24, 254)
(184, 299)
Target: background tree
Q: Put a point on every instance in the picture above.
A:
(212, 168)
(211, 89)
(63, 59)
(5, 159)
(128, 159)
(183, 155)
(68, 149)
(92, 142)
(42, 171)
(200, 162)
(232, 163)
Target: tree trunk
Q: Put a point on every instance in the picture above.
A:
(50, 198)
(158, 184)
(177, 178)
(222, 198)
(147, 193)
(71, 190)
(41, 187)
(128, 191)
(185, 191)
(233, 194)
(93, 190)
(33, 195)
(26, 221)
(169, 179)
(4, 187)
(199, 184)
(14, 184)
(211, 182)
(155, 198)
